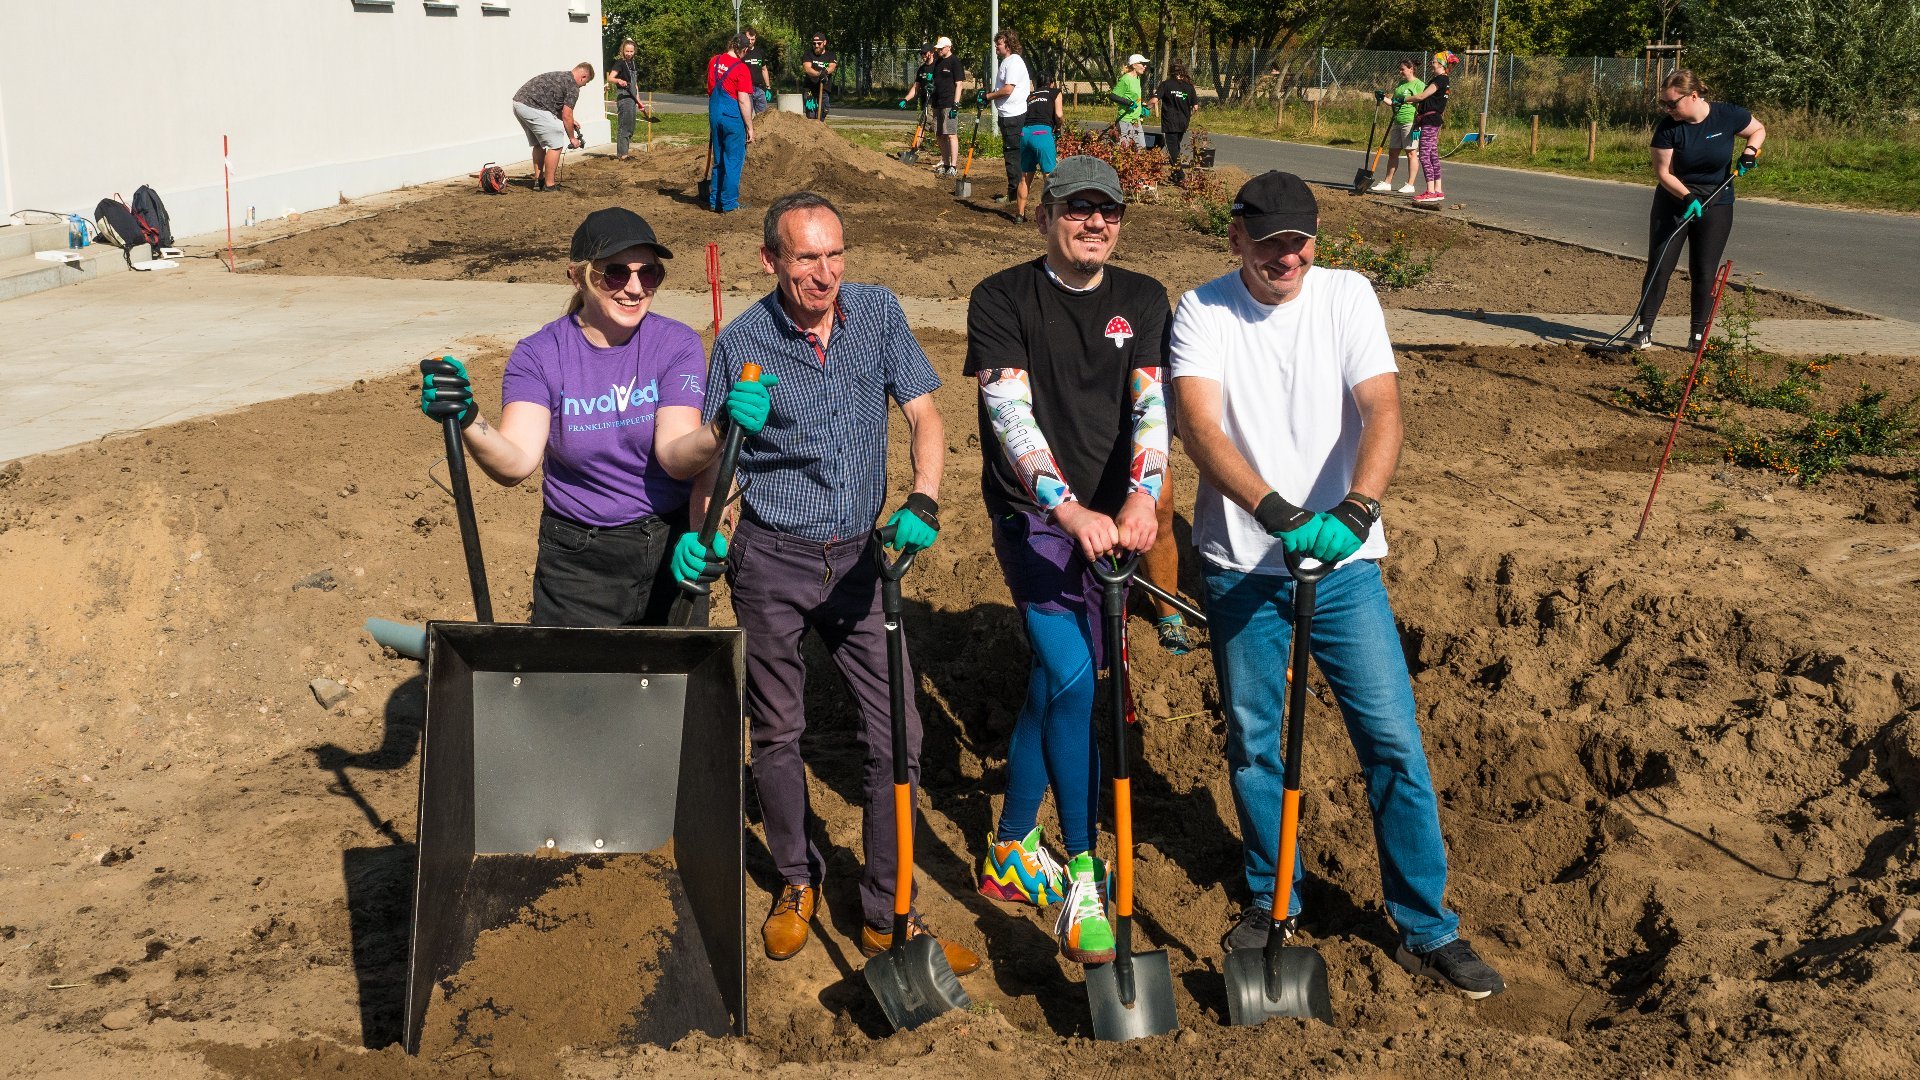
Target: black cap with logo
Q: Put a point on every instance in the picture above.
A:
(1276, 202)
(610, 231)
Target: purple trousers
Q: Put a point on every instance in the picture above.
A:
(784, 586)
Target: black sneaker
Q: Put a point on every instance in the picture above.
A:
(1642, 338)
(1251, 929)
(1454, 964)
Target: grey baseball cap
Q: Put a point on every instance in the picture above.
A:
(1082, 173)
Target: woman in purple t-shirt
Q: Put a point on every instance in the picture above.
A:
(606, 401)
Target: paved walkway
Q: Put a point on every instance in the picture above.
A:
(135, 351)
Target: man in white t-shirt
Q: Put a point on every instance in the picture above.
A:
(1011, 85)
(1289, 404)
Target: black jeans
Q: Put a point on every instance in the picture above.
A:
(1706, 240)
(617, 576)
(1010, 149)
(1173, 139)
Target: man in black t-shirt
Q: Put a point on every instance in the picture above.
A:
(817, 66)
(1070, 353)
(757, 72)
(948, 74)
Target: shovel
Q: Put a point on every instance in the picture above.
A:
(1363, 176)
(681, 614)
(1280, 979)
(912, 153)
(963, 188)
(1132, 997)
(911, 978)
(463, 500)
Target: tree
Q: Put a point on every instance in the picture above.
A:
(1842, 59)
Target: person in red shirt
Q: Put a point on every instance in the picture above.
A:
(729, 122)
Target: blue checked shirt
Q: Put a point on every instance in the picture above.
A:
(818, 470)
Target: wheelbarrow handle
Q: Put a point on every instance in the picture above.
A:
(469, 527)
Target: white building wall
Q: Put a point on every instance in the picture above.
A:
(319, 98)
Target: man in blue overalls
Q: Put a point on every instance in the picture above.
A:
(729, 122)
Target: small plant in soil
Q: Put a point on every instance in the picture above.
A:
(1867, 425)
(1392, 266)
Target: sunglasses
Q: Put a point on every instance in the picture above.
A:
(1082, 209)
(615, 277)
(1669, 104)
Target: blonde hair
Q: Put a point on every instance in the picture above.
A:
(577, 273)
(1685, 81)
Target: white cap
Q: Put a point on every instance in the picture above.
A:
(1136, 58)
(944, 43)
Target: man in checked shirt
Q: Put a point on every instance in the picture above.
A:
(814, 481)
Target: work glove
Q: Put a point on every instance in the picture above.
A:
(1748, 159)
(953, 113)
(1296, 529)
(694, 564)
(1694, 210)
(1336, 539)
(903, 103)
(1379, 96)
(446, 392)
(749, 402)
(809, 103)
(768, 94)
(915, 525)
(980, 96)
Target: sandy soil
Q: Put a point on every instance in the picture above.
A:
(908, 231)
(1680, 778)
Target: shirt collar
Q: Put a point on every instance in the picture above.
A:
(786, 320)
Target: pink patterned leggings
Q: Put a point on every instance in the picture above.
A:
(1430, 154)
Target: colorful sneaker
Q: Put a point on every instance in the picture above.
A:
(1021, 872)
(1086, 937)
(1172, 630)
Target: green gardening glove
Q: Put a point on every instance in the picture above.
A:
(1694, 210)
(1296, 529)
(902, 104)
(1335, 541)
(446, 392)
(694, 564)
(748, 403)
(915, 525)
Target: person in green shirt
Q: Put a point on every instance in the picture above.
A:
(1126, 94)
(1401, 140)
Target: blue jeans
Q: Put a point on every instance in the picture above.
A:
(1357, 647)
(729, 134)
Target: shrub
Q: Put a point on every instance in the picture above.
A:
(1865, 425)
(1391, 267)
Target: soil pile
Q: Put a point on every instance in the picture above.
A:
(1679, 778)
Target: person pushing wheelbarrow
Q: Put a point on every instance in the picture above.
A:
(1293, 360)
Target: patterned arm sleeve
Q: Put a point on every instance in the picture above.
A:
(1009, 400)
(1150, 434)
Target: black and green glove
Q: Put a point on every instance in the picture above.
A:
(915, 525)
(446, 392)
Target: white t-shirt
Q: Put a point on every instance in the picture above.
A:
(1286, 374)
(1013, 72)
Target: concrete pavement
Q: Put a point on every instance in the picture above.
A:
(135, 351)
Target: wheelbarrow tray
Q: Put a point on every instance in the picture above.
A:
(546, 748)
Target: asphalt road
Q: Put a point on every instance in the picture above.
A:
(1855, 259)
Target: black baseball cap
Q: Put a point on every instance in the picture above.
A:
(1276, 202)
(611, 231)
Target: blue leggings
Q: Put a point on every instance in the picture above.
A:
(1053, 738)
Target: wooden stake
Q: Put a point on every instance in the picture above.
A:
(650, 126)
(1535, 148)
(1315, 129)
(1593, 138)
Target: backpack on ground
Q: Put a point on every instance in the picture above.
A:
(148, 207)
(493, 179)
(123, 228)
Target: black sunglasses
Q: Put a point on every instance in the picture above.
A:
(615, 277)
(1082, 209)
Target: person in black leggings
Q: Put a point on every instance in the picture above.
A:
(1692, 152)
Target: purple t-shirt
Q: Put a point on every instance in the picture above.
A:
(599, 466)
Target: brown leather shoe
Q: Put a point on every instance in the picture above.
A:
(785, 931)
(962, 960)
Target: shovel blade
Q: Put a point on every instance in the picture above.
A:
(909, 156)
(963, 189)
(1295, 984)
(1151, 1011)
(1362, 178)
(915, 983)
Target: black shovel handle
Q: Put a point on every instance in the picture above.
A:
(891, 571)
(691, 591)
(469, 528)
